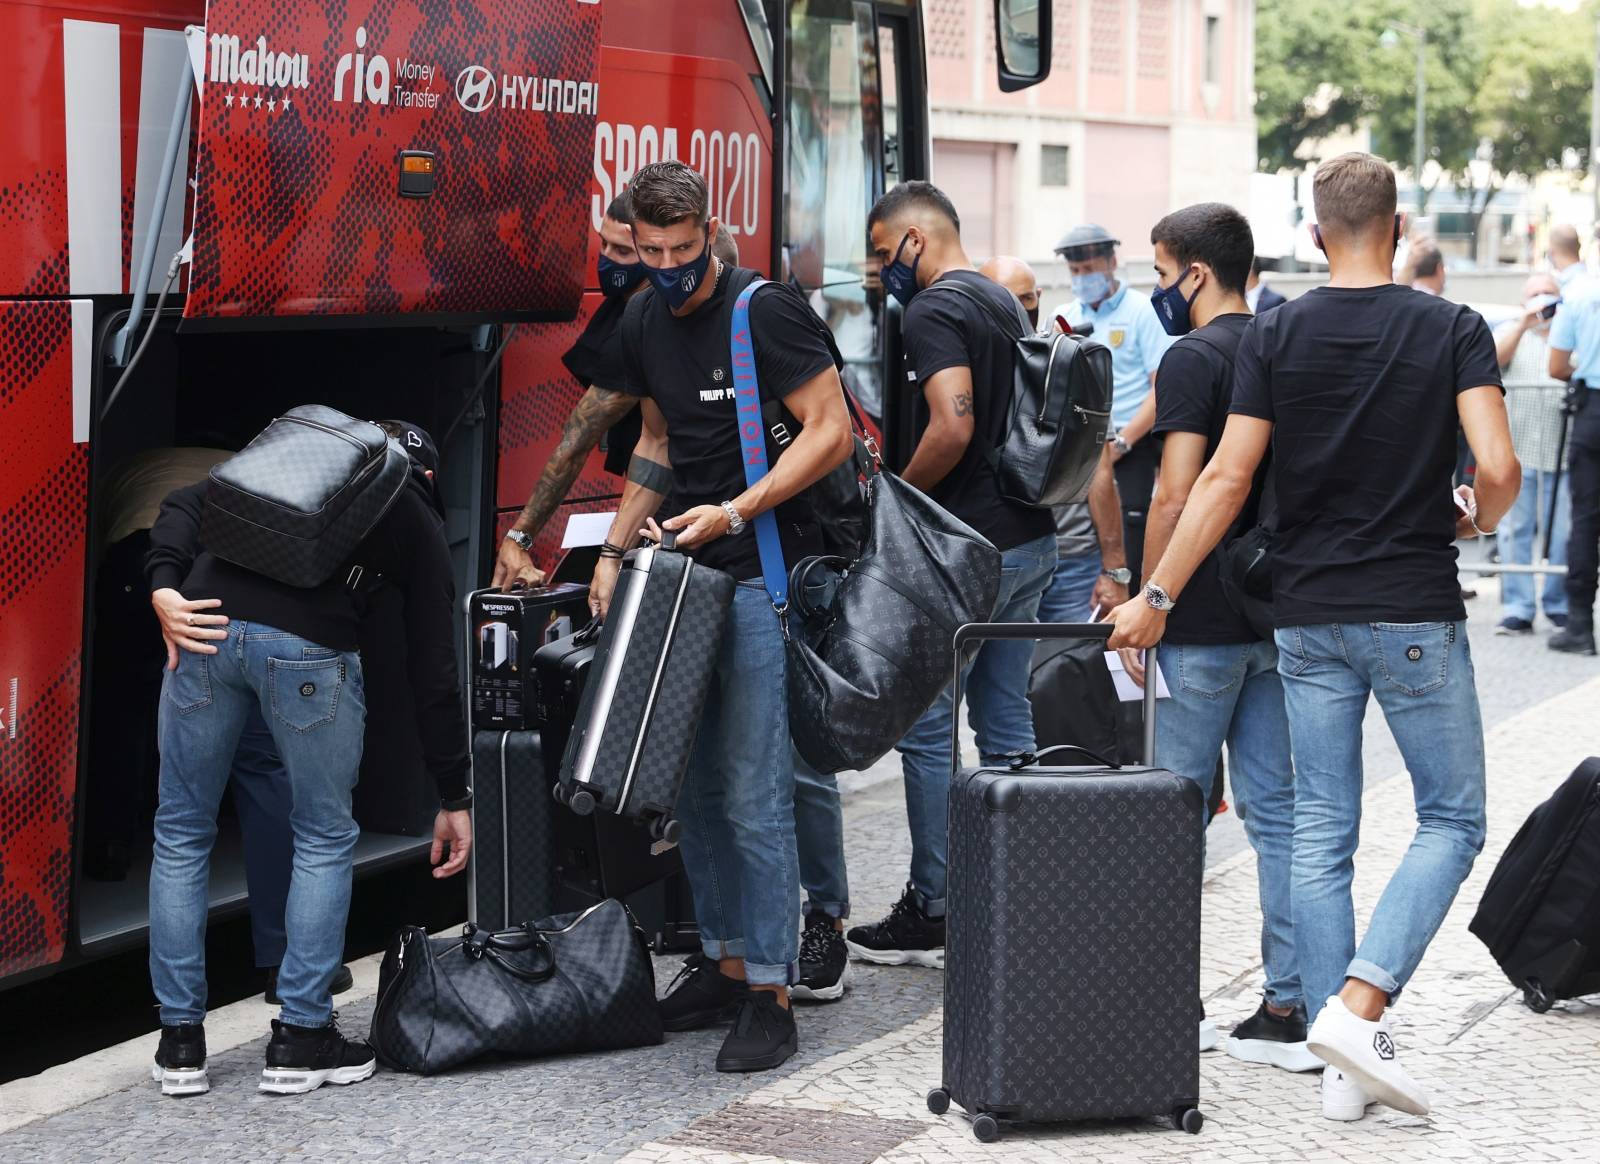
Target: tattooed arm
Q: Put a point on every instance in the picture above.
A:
(596, 411)
(950, 426)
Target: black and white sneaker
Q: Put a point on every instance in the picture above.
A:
(180, 1065)
(343, 980)
(907, 937)
(763, 1034)
(1279, 1041)
(700, 996)
(302, 1059)
(824, 961)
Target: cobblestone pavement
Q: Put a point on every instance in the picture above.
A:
(1508, 1085)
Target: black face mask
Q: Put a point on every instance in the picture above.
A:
(619, 278)
(1033, 317)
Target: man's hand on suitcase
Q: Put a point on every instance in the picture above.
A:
(183, 625)
(512, 563)
(603, 585)
(1136, 624)
(452, 829)
(1133, 663)
(696, 527)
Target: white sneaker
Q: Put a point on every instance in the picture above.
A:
(1208, 1035)
(1365, 1051)
(1342, 1097)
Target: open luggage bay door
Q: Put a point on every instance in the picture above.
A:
(426, 158)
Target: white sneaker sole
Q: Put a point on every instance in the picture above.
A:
(184, 1082)
(1345, 1113)
(298, 1081)
(1382, 1090)
(933, 959)
(822, 993)
(1288, 1056)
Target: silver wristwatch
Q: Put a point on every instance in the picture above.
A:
(1121, 575)
(522, 539)
(1157, 597)
(735, 522)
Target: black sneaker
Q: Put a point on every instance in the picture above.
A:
(301, 1059)
(1279, 1040)
(824, 961)
(180, 1065)
(1512, 625)
(907, 937)
(763, 1035)
(343, 980)
(699, 996)
(1559, 621)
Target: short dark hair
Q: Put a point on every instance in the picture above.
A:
(1355, 193)
(667, 193)
(1426, 259)
(1212, 233)
(913, 196)
(621, 209)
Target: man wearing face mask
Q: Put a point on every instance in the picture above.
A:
(961, 362)
(1124, 321)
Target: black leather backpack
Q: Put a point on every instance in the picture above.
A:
(1059, 414)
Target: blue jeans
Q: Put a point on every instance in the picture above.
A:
(819, 837)
(1521, 540)
(996, 687)
(1233, 694)
(1070, 595)
(314, 704)
(1422, 676)
(737, 803)
(264, 799)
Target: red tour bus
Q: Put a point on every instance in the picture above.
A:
(255, 205)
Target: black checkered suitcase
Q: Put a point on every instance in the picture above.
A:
(1072, 943)
(647, 685)
(512, 871)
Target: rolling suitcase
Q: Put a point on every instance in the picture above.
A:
(561, 671)
(640, 708)
(1072, 947)
(512, 877)
(1540, 912)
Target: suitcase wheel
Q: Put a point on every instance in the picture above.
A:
(581, 802)
(1536, 996)
(986, 1128)
(938, 1101)
(665, 828)
(1188, 1119)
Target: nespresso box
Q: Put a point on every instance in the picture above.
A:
(505, 628)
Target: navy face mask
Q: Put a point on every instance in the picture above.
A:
(677, 285)
(899, 278)
(618, 278)
(1172, 308)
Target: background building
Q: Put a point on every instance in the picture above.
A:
(1148, 107)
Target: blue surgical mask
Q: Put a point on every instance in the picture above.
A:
(1091, 288)
(618, 279)
(677, 285)
(901, 279)
(1172, 307)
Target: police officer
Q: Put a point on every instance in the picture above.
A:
(1126, 323)
(1575, 357)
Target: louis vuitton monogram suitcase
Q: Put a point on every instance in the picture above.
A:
(1072, 950)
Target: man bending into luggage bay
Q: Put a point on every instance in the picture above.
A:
(737, 802)
(1359, 387)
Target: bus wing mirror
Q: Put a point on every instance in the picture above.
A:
(1022, 42)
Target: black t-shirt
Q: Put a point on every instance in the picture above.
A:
(685, 365)
(945, 329)
(1361, 384)
(596, 358)
(1193, 389)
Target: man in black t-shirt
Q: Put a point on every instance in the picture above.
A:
(1222, 674)
(737, 804)
(961, 362)
(1358, 387)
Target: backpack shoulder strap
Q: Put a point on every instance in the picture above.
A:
(988, 307)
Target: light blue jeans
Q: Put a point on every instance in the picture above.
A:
(263, 798)
(1070, 595)
(737, 803)
(996, 687)
(819, 838)
(1521, 539)
(1233, 694)
(1422, 676)
(313, 701)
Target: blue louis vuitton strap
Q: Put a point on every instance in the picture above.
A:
(753, 438)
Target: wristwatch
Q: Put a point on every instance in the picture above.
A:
(522, 539)
(1119, 444)
(735, 522)
(1158, 598)
(1121, 575)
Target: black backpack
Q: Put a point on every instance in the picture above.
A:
(1059, 414)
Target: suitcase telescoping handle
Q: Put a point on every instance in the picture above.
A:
(974, 632)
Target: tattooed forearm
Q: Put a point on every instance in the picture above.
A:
(596, 411)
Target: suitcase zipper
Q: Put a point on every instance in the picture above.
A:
(655, 687)
(344, 436)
